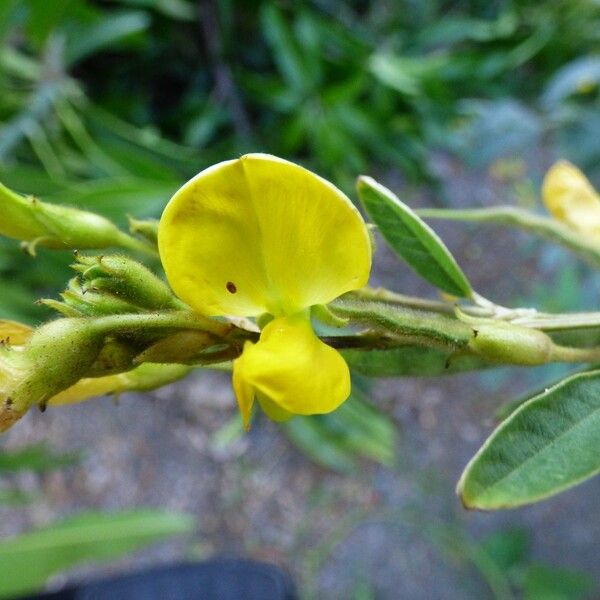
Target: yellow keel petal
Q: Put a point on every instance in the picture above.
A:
(291, 371)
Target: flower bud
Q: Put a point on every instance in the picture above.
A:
(56, 356)
(126, 279)
(54, 226)
(181, 347)
(91, 303)
(511, 344)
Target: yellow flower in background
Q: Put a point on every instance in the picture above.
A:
(571, 198)
(261, 235)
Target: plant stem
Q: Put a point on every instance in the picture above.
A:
(131, 243)
(545, 227)
(575, 355)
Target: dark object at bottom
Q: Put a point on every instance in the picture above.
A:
(219, 579)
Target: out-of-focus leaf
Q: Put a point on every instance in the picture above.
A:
(114, 197)
(543, 582)
(105, 31)
(6, 8)
(336, 440)
(580, 76)
(547, 445)
(43, 17)
(508, 548)
(34, 458)
(412, 239)
(14, 497)
(285, 50)
(403, 73)
(450, 31)
(495, 129)
(29, 559)
(181, 10)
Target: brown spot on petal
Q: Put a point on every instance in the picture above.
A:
(231, 288)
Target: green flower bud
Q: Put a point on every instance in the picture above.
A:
(181, 347)
(147, 228)
(56, 356)
(92, 303)
(511, 344)
(54, 226)
(126, 279)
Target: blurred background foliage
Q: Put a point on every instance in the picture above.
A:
(111, 105)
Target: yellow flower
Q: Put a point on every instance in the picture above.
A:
(262, 235)
(571, 198)
(12, 337)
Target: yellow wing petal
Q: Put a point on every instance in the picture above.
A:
(147, 376)
(260, 234)
(13, 333)
(292, 369)
(571, 198)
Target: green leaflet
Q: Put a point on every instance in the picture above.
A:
(29, 559)
(412, 239)
(550, 443)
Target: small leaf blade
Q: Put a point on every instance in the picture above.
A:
(546, 446)
(412, 239)
(88, 536)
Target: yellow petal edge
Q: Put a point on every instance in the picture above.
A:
(571, 198)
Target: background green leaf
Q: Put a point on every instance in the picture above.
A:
(336, 440)
(85, 537)
(37, 458)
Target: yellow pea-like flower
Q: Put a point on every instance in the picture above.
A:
(571, 198)
(260, 235)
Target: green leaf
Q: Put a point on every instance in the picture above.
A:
(37, 458)
(411, 361)
(412, 239)
(29, 559)
(508, 549)
(549, 583)
(15, 497)
(549, 444)
(337, 439)
(406, 74)
(285, 53)
(106, 31)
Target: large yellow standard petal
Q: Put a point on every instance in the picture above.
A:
(290, 371)
(571, 198)
(260, 234)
